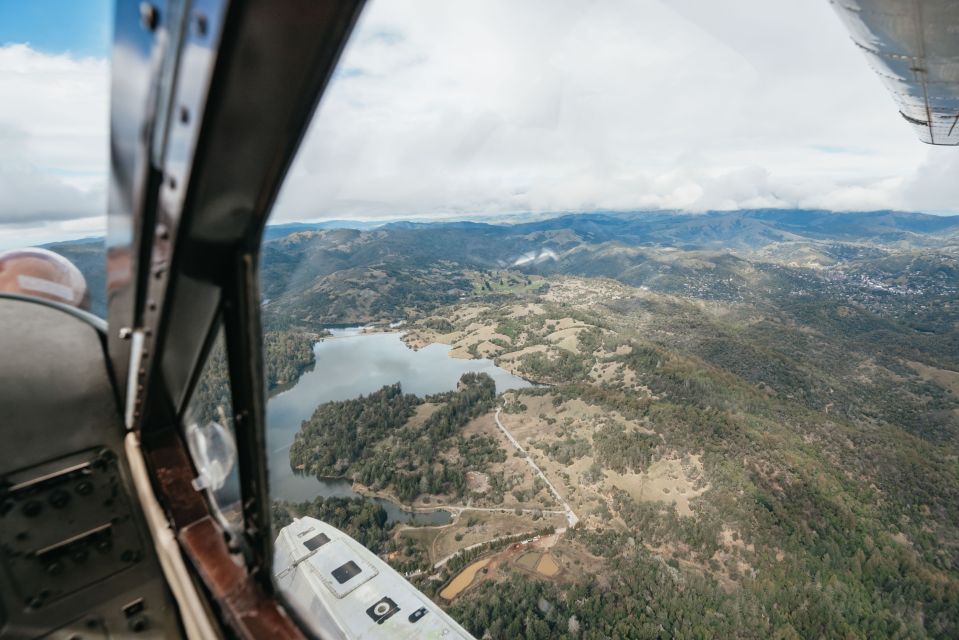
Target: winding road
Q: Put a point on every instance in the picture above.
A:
(571, 517)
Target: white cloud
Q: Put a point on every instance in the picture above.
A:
(935, 184)
(476, 107)
(479, 107)
(53, 135)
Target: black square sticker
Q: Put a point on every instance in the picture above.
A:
(346, 571)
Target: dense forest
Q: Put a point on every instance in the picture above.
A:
(362, 520)
(371, 439)
(287, 355)
(833, 501)
(818, 536)
(808, 362)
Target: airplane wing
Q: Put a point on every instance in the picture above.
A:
(347, 592)
(914, 47)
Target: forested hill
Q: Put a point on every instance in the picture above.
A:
(754, 416)
(375, 440)
(313, 269)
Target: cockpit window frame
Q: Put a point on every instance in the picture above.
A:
(186, 222)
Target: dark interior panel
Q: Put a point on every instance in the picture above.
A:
(77, 558)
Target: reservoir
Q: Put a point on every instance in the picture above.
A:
(348, 364)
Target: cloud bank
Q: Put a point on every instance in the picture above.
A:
(447, 107)
(53, 143)
(471, 108)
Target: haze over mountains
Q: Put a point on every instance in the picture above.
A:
(359, 275)
(729, 229)
(752, 413)
(718, 254)
(793, 373)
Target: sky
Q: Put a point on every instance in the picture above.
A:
(474, 108)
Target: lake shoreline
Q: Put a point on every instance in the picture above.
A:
(355, 361)
(366, 491)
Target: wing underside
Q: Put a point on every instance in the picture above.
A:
(914, 47)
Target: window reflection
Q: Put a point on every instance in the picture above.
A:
(209, 431)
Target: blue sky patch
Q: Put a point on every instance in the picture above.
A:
(83, 28)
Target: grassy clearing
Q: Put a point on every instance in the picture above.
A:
(944, 378)
(485, 283)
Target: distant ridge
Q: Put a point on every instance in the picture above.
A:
(697, 227)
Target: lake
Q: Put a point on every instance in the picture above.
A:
(348, 364)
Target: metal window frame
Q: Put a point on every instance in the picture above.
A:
(210, 100)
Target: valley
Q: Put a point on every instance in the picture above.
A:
(741, 424)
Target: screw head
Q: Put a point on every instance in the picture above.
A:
(202, 24)
(149, 16)
(138, 624)
(59, 499)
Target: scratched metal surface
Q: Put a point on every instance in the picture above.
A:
(914, 47)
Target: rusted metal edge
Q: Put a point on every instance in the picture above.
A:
(243, 605)
(249, 611)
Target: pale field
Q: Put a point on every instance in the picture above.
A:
(565, 324)
(515, 469)
(567, 338)
(519, 353)
(585, 293)
(488, 350)
(565, 561)
(528, 560)
(468, 312)
(943, 377)
(476, 332)
(528, 309)
(480, 334)
(584, 497)
(441, 542)
(547, 566)
(423, 412)
(667, 480)
(617, 373)
(583, 419)
(670, 479)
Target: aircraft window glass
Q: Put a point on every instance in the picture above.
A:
(316, 541)
(555, 322)
(210, 435)
(54, 115)
(346, 571)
